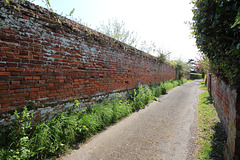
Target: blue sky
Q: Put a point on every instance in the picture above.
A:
(160, 21)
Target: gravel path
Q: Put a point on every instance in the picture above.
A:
(164, 130)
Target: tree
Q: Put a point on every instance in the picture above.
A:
(181, 67)
(117, 30)
(202, 65)
(217, 36)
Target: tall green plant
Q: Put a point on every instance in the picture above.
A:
(141, 96)
(55, 136)
(19, 146)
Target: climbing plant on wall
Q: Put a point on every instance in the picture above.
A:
(217, 34)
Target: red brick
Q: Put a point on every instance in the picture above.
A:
(60, 77)
(28, 73)
(15, 82)
(11, 59)
(9, 50)
(6, 100)
(10, 31)
(3, 92)
(5, 73)
(34, 89)
(28, 78)
(17, 87)
(20, 98)
(24, 56)
(43, 92)
(50, 84)
(33, 93)
(15, 69)
(40, 70)
(18, 90)
(41, 81)
(36, 77)
(12, 64)
(53, 94)
(2, 68)
(5, 105)
(20, 95)
(2, 83)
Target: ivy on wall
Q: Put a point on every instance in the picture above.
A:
(217, 36)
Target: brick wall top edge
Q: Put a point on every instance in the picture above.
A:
(71, 26)
(232, 86)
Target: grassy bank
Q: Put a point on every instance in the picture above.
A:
(56, 136)
(211, 136)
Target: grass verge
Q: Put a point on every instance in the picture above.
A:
(203, 86)
(211, 133)
(51, 138)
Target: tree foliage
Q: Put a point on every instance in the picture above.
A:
(180, 66)
(216, 29)
(148, 47)
(202, 65)
(117, 30)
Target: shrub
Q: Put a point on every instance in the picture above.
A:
(194, 76)
(163, 88)
(157, 91)
(217, 38)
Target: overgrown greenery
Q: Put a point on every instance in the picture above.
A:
(217, 37)
(180, 67)
(53, 137)
(211, 133)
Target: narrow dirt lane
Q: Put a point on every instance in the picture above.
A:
(164, 130)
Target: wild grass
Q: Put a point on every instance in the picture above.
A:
(203, 86)
(56, 136)
(211, 133)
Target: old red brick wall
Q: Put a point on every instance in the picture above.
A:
(47, 58)
(227, 103)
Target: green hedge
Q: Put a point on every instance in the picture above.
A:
(217, 38)
(194, 76)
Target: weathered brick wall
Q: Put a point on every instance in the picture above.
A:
(47, 58)
(227, 103)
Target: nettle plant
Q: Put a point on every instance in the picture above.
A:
(216, 29)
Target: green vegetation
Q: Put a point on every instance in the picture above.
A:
(194, 76)
(118, 31)
(216, 29)
(211, 133)
(180, 67)
(203, 86)
(53, 137)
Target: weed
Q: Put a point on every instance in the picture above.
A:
(47, 139)
(203, 86)
(141, 96)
